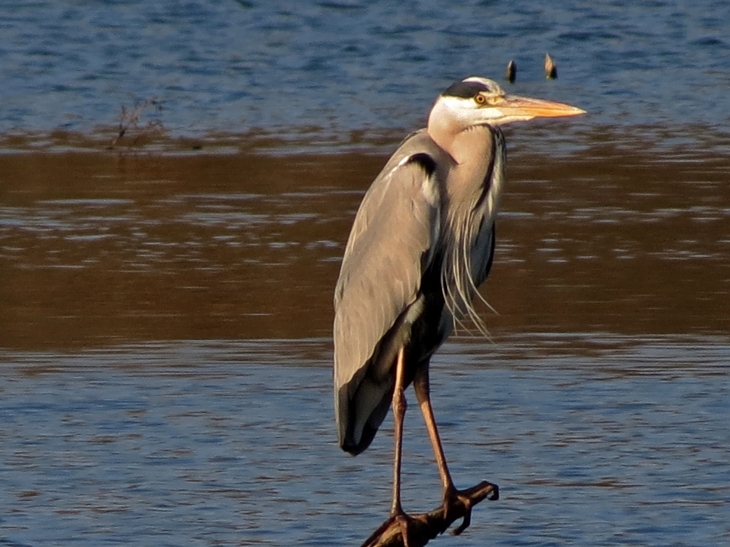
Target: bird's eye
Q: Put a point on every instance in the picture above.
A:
(480, 99)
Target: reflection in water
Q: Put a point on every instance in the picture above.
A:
(110, 247)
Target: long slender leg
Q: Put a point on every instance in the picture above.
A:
(399, 412)
(422, 388)
(450, 493)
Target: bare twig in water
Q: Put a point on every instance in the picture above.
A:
(130, 119)
(423, 528)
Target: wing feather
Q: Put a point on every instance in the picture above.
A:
(392, 242)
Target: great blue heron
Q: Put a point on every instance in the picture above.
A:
(421, 243)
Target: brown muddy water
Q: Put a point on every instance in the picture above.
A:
(165, 334)
(102, 247)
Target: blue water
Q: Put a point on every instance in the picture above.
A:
(355, 68)
(594, 440)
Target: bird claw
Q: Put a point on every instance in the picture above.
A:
(454, 497)
(403, 521)
(463, 526)
(398, 519)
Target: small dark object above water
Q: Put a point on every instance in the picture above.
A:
(551, 69)
(511, 72)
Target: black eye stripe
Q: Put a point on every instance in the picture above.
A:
(465, 90)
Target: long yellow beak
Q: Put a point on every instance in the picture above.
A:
(536, 108)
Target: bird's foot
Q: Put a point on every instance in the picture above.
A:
(453, 498)
(403, 521)
(399, 520)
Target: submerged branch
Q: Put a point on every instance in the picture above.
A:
(423, 528)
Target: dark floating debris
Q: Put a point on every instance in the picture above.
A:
(551, 69)
(511, 72)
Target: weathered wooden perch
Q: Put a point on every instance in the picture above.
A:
(423, 528)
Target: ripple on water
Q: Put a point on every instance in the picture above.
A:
(594, 440)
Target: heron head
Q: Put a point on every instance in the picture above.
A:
(477, 101)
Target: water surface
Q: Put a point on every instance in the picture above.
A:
(595, 440)
(165, 294)
(353, 69)
(166, 371)
(126, 245)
